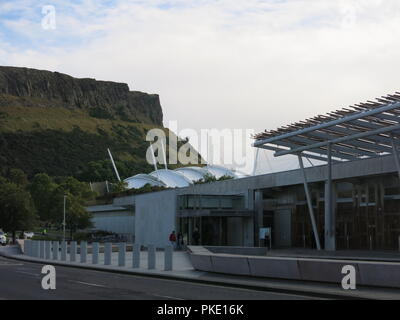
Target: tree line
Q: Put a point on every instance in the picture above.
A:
(26, 204)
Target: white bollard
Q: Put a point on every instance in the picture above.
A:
(36, 249)
(95, 253)
(41, 249)
(168, 256)
(56, 248)
(107, 253)
(136, 255)
(121, 254)
(151, 256)
(64, 251)
(47, 250)
(72, 251)
(83, 251)
(27, 247)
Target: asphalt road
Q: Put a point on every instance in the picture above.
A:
(22, 281)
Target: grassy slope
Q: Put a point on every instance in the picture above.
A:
(62, 141)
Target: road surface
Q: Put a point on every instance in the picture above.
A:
(22, 281)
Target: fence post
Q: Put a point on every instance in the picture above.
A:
(56, 247)
(168, 256)
(72, 251)
(107, 253)
(135, 255)
(151, 256)
(121, 254)
(47, 249)
(64, 251)
(83, 251)
(95, 253)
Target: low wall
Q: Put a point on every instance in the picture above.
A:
(368, 273)
(250, 251)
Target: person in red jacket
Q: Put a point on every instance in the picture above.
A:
(172, 239)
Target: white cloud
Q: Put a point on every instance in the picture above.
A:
(229, 63)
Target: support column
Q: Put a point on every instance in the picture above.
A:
(258, 216)
(309, 203)
(330, 232)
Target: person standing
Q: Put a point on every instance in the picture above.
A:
(172, 239)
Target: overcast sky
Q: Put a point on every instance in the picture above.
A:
(218, 64)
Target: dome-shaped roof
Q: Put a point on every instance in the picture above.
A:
(140, 180)
(171, 179)
(219, 172)
(193, 173)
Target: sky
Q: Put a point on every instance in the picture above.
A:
(236, 64)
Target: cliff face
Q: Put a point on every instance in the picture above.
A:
(101, 99)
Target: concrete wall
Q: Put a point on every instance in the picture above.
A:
(368, 273)
(155, 217)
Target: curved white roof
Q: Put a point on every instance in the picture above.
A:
(171, 179)
(140, 180)
(192, 173)
(219, 172)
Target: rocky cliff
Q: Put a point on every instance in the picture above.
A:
(53, 123)
(100, 99)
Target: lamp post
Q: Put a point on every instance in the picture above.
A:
(65, 200)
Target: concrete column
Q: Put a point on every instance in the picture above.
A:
(330, 232)
(95, 253)
(41, 249)
(258, 215)
(63, 251)
(47, 249)
(83, 251)
(56, 246)
(151, 256)
(168, 258)
(107, 253)
(121, 254)
(136, 255)
(72, 251)
(330, 221)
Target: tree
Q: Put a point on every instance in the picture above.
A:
(119, 186)
(41, 188)
(18, 177)
(76, 215)
(17, 210)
